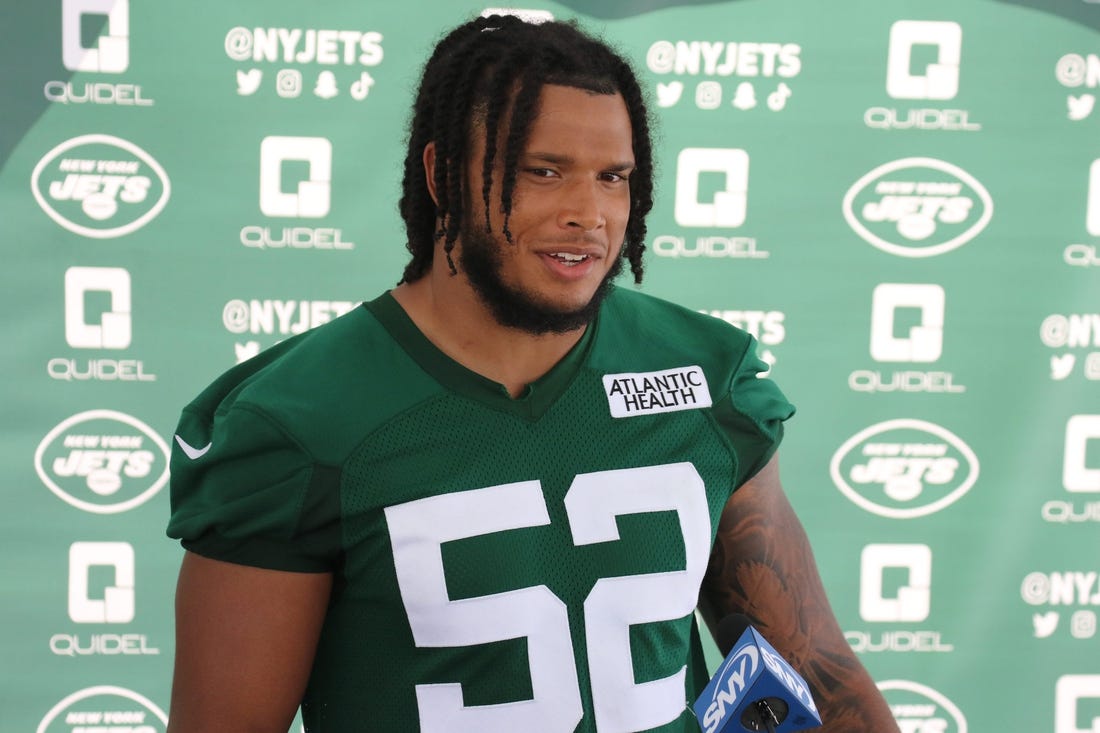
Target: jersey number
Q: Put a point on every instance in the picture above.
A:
(419, 528)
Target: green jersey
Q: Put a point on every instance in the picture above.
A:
(500, 564)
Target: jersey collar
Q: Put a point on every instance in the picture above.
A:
(537, 397)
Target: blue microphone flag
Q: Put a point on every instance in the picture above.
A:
(752, 672)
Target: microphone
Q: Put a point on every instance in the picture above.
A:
(754, 689)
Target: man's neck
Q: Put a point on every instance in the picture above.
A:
(455, 320)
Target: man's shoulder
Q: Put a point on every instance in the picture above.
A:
(303, 357)
(633, 317)
(322, 386)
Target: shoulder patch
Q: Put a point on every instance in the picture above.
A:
(646, 393)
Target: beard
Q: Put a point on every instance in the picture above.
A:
(479, 258)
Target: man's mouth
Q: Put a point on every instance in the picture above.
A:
(570, 260)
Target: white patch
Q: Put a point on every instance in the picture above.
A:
(645, 393)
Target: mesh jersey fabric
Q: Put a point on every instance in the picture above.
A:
(500, 564)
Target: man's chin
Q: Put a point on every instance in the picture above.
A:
(565, 311)
(545, 319)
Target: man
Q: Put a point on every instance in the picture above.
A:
(501, 511)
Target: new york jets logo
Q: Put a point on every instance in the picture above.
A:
(103, 708)
(904, 468)
(100, 186)
(102, 461)
(920, 708)
(917, 207)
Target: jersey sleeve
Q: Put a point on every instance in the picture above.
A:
(244, 491)
(751, 414)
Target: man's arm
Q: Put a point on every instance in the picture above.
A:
(762, 566)
(245, 640)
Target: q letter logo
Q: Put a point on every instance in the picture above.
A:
(311, 199)
(112, 52)
(923, 342)
(527, 16)
(1092, 222)
(729, 206)
(940, 79)
(1076, 474)
(913, 600)
(117, 604)
(112, 331)
(1070, 689)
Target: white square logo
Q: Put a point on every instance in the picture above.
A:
(112, 328)
(111, 54)
(1077, 476)
(526, 15)
(939, 79)
(1068, 691)
(311, 198)
(1092, 216)
(116, 606)
(729, 205)
(912, 601)
(923, 342)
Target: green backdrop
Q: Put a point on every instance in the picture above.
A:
(900, 199)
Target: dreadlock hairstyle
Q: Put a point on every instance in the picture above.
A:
(480, 72)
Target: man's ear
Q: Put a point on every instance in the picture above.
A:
(429, 170)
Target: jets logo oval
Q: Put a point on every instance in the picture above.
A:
(904, 468)
(918, 707)
(102, 461)
(917, 207)
(100, 186)
(128, 710)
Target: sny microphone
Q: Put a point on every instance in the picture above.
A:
(754, 689)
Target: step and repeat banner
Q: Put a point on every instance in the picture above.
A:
(901, 200)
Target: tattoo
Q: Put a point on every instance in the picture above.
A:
(762, 566)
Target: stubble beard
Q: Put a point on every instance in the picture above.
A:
(512, 307)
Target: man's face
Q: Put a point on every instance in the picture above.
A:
(570, 207)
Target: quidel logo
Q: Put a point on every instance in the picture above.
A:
(1077, 475)
(295, 182)
(924, 341)
(112, 329)
(311, 199)
(524, 14)
(102, 461)
(940, 78)
(116, 606)
(104, 708)
(1092, 209)
(1069, 692)
(100, 186)
(912, 601)
(108, 53)
(111, 53)
(904, 468)
(726, 207)
(917, 207)
(918, 708)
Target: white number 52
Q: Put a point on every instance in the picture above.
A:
(419, 528)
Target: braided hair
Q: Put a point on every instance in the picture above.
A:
(480, 72)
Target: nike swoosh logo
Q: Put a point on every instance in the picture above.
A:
(190, 451)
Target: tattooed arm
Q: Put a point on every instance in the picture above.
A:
(762, 566)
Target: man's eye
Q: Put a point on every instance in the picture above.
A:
(541, 172)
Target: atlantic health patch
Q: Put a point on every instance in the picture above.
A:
(647, 393)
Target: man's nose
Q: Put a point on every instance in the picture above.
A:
(581, 207)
